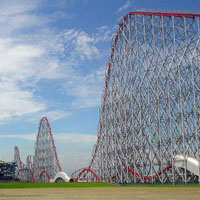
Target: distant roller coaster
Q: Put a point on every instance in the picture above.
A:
(44, 165)
(149, 126)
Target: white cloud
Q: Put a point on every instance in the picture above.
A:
(16, 15)
(86, 89)
(13, 7)
(71, 161)
(75, 138)
(17, 60)
(28, 57)
(22, 58)
(16, 102)
(31, 137)
(17, 65)
(52, 115)
(77, 46)
(82, 44)
(67, 138)
(31, 51)
(125, 6)
(74, 150)
(56, 114)
(104, 34)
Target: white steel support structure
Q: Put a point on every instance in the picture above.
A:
(22, 172)
(44, 165)
(150, 109)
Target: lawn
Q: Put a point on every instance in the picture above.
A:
(13, 185)
(158, 185)
(54, 185)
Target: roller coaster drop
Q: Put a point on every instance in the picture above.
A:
(149, 126)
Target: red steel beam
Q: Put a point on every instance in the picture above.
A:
(46, 173)
(145, 178)
(52, 141)
(175, 14)
(88, 170)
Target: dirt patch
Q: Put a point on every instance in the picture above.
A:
(118, 193)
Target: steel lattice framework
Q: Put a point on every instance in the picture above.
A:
(22, 172)
(44, 165)
(150, 108)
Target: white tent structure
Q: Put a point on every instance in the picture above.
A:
(61, 177)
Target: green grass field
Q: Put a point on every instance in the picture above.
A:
(84, 185)
(54, 185)
(162, 185)
(103, 191)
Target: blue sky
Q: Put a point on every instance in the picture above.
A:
(53, 56)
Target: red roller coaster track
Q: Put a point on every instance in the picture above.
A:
(146, 178)
(131, 171)
(46, 173)
(86, 170)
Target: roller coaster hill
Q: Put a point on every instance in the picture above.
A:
(149, 125)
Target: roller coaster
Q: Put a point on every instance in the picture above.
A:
(44, 166)
(149, 125)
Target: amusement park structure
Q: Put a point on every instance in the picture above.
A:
(149, 122)
(149, 125)
(44, 166)
(7, 171)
